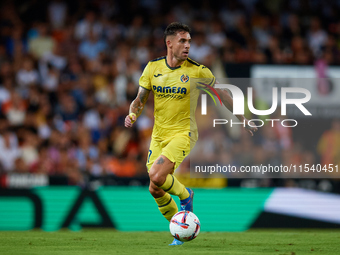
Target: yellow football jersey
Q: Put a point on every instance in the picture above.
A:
(175, 95)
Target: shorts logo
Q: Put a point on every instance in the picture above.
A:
(184, 78)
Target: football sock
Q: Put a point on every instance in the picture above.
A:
(167, 206)
(174, 187)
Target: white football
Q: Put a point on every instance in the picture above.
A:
(185, 226)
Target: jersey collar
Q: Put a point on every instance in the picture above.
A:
(172, 68)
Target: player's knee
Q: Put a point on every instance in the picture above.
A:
(156, 177)
(156, 192)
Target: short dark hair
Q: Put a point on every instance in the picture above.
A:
(174, 28)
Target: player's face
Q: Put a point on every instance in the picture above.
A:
(181, 45)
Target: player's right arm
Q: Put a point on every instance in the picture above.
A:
(137, 106)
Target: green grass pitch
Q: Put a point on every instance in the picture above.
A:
(98, 241)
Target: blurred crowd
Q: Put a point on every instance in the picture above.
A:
(70, 69)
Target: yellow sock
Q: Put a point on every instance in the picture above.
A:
(174, 187)
(167, 206)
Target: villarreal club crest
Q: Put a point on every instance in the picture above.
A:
(184, 78)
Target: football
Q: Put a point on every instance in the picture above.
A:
(185, 226)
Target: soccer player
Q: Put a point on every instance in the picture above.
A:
(168, 78)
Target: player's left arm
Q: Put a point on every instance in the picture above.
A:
(226, 99)
(228, 103)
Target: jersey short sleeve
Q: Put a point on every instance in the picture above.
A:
(145, 80)
(206, 75)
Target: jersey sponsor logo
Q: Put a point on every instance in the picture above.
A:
(157, 75)
(167, 90)
(184, 78)
(174, 96)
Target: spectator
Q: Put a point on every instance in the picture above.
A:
(199, 49)
(41, 44)
(262, 32)
(92, 47)
(17, 43)
(27, 75)
(57, 11)
(5, 90)
(9, 151)
(68, 109)
(216, 37)
(316, 36)
(29, 152)
(86, 151)
(88, 25)
(15, 109)
(20, 166)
